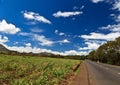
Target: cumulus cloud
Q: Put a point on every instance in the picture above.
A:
(94, 40)
(67, 14)
(28, 44)
(113, 28)
(100, 36)
(39, 50)
(43, 40)
(116, 5)
(3, 39)
(36, 17)
(8, 28)
(29, 49)
(96, 1)
(118, 18)
(90, 46)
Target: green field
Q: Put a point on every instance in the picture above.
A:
(17, 70)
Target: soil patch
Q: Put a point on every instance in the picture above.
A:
(82, 77)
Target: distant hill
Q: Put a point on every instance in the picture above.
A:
(3, 49)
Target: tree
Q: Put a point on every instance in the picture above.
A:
(107, 53)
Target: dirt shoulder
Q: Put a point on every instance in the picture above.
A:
(83, 77)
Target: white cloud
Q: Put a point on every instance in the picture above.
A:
(3, 39)
(37, 30)
(90, 46)
(31, 22)
(25, 34)
(113, 28)
(59, 33)
(63, 34)
(112, 15)
(118, 18)
(43, 40)
(75, 7)
(28, 44)
(67, 14)
(64, 41)
(39, 50)
(16, 43)
(74, 52)
(8, 28)
(98, 36)
(96, 1)
(116, 5)
(82, 7)
(22, 49)
(56, 31)
(36, 17)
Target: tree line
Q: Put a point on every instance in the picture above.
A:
(109, 53)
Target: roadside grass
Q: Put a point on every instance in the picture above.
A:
(18, 70)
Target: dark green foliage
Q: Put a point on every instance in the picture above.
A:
(107, 53)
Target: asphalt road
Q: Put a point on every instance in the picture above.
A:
(103, 74)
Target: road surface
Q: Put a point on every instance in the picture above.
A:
(103, 74)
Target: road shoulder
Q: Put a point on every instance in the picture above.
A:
(82, 77)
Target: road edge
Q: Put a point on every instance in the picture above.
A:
(82, 78)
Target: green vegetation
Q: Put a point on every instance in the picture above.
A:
(17, 70)
(107, 53)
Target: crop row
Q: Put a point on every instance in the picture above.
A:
(19, 70)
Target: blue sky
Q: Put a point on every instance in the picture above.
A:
(60, 27)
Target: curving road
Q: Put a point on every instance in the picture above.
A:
(103, 74)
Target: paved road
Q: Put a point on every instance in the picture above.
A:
(103, 74)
